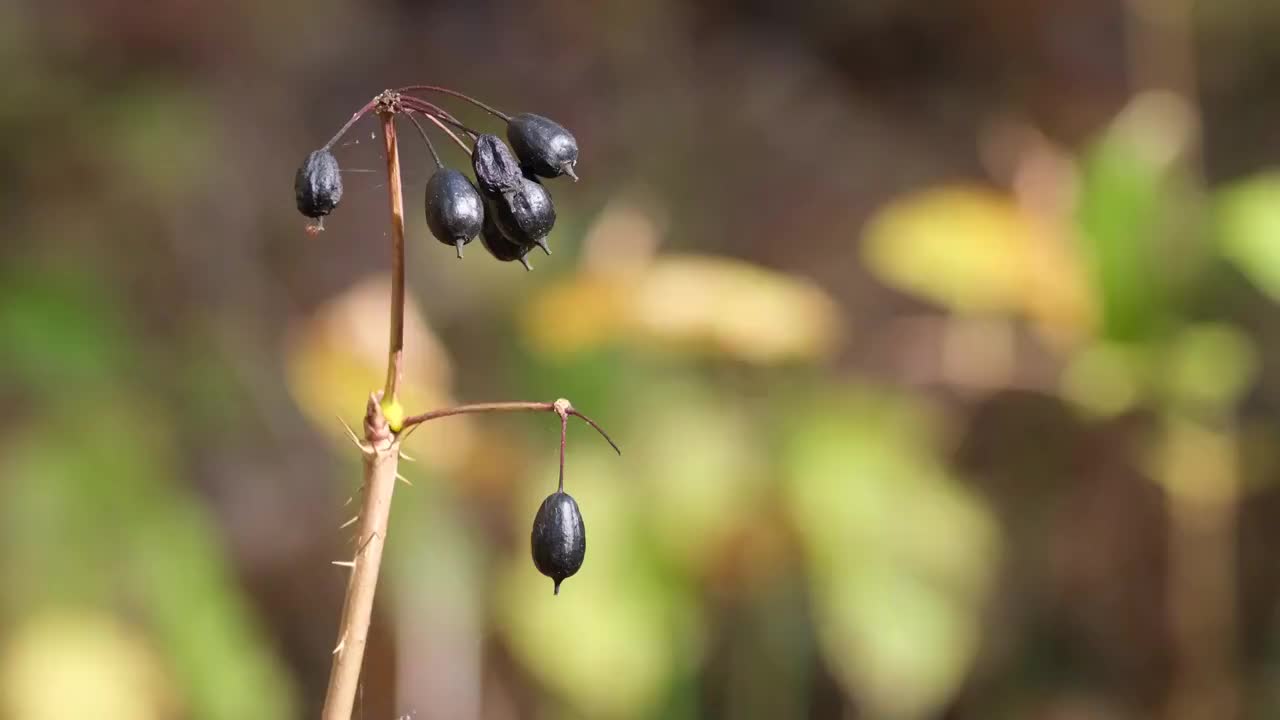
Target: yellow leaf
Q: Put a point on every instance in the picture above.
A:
(734, 308)
(976, 250)
(336, 357)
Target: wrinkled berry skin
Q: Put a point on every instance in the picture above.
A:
(525, 215)
(318, 184)
(544, 147)
(455, 210)
(497, 169)
(559, 538)
(499, 245)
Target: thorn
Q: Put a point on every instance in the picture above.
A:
(364, 449)
(405, 456)
(348, 502)
(525, 262)
(366, 543)
(403, 479)
(341, 644)
(458, 244)
(348, 523)
(345, 563)
(542, 243)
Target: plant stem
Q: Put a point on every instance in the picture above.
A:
(561, 407)
(380, 467)
(564, 431)
(436, 88)
(445, 128)
(395, 353)
(426, 139)
(381, 462)
(354, 117)
(429, 108)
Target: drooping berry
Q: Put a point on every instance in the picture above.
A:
(497, 169)
(525, 215)
(499, 245)
(455, 210)
(544, 147)
(559, 538)
(318, 184)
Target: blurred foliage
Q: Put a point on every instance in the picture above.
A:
(936, 336)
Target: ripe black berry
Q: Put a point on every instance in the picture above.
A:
(455, 210)
(544, 147)
(497, 169)
(559, 539)
(499, 245)
(525, 215)
(318, 184)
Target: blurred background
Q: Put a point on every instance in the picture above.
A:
(938, 337)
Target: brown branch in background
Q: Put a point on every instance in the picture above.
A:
(1199, 468)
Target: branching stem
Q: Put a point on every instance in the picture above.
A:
(447, 91)
(560, 407)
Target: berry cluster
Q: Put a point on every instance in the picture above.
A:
(507, 206)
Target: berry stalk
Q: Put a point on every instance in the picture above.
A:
(461, 96)
(354, 118)
(433, 110)
(561, 407)
(431, 147)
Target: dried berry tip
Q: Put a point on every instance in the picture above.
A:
(525, 214)
(455, 209)
(544, 147)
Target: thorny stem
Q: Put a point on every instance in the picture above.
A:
(381, 457)
(436, 88)
(381, 448)
(354, 118)
(395, 352)
(560, 407)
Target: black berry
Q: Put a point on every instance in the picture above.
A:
(499, 245)
(318, 184)
(544, 147)
(497, 169)
(525, 215)
(559, 538)
(455, 210)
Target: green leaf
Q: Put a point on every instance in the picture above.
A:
(1132, 213)
(1246, 223)
(899, 554)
